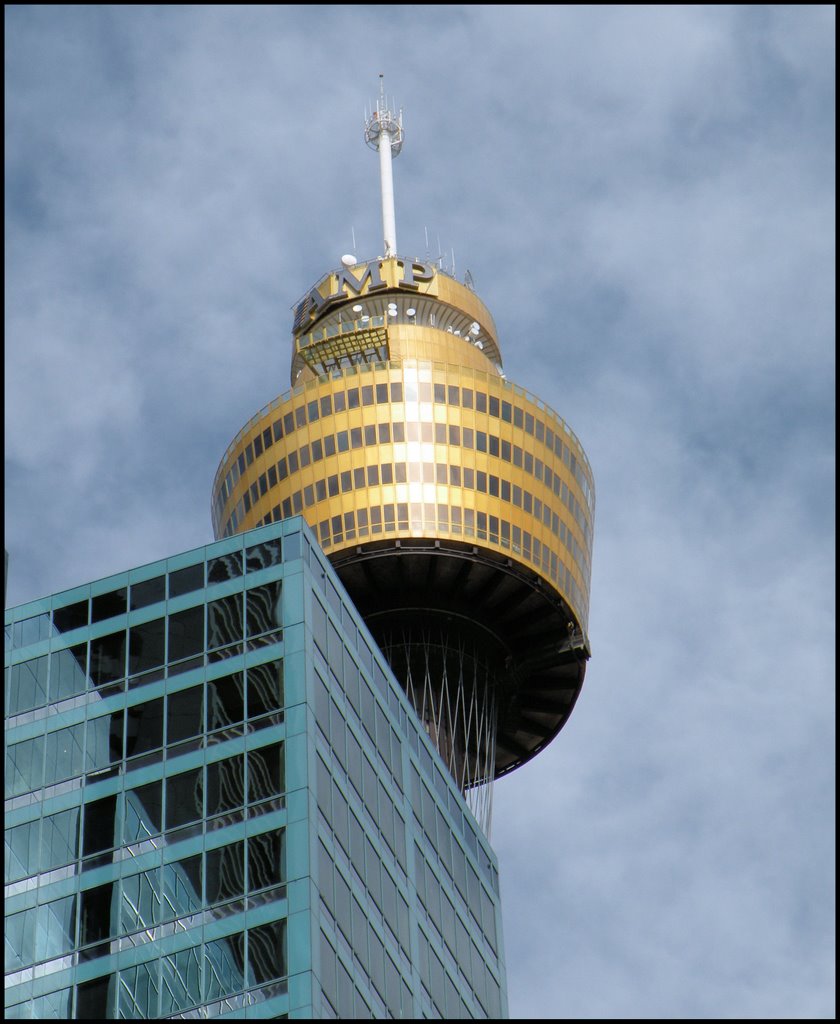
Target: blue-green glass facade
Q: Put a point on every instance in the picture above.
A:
(220, 803)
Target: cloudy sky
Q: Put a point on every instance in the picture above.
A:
(644, 198)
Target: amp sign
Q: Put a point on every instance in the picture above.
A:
(362, 280)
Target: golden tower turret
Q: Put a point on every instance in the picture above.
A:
(456, 508)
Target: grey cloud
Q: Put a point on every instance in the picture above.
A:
(645, 199)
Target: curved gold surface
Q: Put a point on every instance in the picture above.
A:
(546, 498)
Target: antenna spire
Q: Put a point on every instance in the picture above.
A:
(384, 132)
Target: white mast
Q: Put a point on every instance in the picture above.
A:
(383, 131)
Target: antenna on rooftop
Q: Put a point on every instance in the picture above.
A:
(383, 132)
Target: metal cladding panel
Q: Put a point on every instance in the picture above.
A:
(410, 450)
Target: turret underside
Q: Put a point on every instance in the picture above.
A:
(516, 633)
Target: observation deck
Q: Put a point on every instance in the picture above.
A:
(456, 508)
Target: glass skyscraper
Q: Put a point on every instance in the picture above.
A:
(219, 801)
